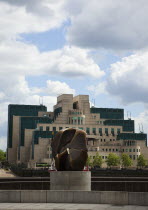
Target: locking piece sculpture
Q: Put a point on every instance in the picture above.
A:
(69, 150)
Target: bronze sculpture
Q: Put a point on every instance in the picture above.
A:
(69, 150)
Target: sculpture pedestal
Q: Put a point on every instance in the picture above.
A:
(70, 180)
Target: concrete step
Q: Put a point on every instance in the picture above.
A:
(63, 206)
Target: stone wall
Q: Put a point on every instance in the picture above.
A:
(43, 196)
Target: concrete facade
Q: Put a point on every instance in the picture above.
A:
(107, 131)
(77, 197)
(70, 180)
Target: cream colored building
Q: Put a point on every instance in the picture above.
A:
(31, 130)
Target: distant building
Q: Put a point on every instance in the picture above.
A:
(31, 129)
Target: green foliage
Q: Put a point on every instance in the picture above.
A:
(141, 161)
(2, 155)
(113, 160)
(97, 160)
(89, 161)
(126, 160)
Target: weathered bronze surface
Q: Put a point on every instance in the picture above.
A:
(69, 150)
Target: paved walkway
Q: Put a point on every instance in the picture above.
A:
(4, 173)
(63, 206)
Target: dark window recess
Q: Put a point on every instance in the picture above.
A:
(47, 128)
(57, 111)
(106, 131)
(112, 131)
(88, 131)
(94, 131)
(54, 129)
(42, 134)
(100, 131)
(41, 128)
(108, 113)
(118, 130)
(128, 125)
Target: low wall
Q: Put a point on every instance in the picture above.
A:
(85, 197)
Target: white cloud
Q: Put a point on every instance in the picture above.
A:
(29, 16)
(3, 143)
(4, 115)
(141, 122)
(128, 78)
(57, 87)
(98, 89)
(110, 24)
(23, 59)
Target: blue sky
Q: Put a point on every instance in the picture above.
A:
(79, 47)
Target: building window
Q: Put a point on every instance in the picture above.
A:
(100, 131)
(133, 157)
(137, 150)
(109, 150)
(94, 131)
(112, 131)
(41, 128)
(54, 128)
(87, 130)
(101, 140)
(130, 150)
(118, 130)
(126, 150)
(78, 120)
(113, 150)
(110, 139)
(102, 157)
(106, 131)
(116, 150)
(81, 120)
(133, 150)
(130, 156)
(104, 140)
(103, 149)
(47, 128)
(123, 150)
(60, 128)
(106, 150)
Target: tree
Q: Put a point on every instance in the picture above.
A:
(97, 160)
(2, 155)
(89, 161)
(141, 161)
(126, 160)
(113, 160)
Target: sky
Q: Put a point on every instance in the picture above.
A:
(51, 47)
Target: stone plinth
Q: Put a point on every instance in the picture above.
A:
(70, 180)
